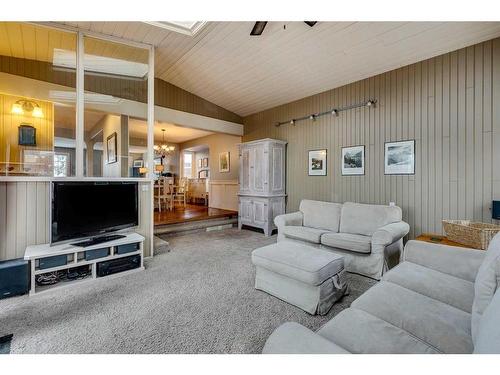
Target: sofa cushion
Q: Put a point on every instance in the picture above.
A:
(303, 233)
(488, 333)
(487, 282)
(299, 261)
(440, 325)
(347, 241)
(365, 219)
(434, 284)
(360, 332)
(321, 215)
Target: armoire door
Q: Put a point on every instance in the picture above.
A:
(259, 212)
(258, 170)
(245, 170)
(277, 169)
(246, 210)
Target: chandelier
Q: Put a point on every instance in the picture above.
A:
(163, 149)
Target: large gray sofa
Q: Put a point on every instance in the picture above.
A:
(440, 299)
(368, 236)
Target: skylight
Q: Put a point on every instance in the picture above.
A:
(190, 28)
(100, 64)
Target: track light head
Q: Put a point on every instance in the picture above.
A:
(335, 112)
(292, 122)
(312, 117)
(370, 103)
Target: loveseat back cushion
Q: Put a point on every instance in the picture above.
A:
(365, 219)
(321, 215)
(488, 333)
(486, 284)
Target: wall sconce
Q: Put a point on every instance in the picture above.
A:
(143, 170)
(22, 106)
(159, 168)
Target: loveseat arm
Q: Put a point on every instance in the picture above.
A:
(293, 338)
(390, 233)
(455, 261)
(293, 218)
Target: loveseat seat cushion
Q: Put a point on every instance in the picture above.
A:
(440, 325)
(487, 283)
(321, 215)
(298, 261)
(360, 332)
(307, 234)
(347, 241)
(434, 284)
(365, 219)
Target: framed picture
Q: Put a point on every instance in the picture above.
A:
(138, 163)
(399, 157)
(317, 162)
(223, 162)
(111, 149)
(27, 135)
(200, 163)
(205, 163)
(353, 161)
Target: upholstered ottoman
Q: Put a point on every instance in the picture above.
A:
(307, 277)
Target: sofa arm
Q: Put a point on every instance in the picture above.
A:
(293, 338)
(293, 218)
(456, 261)
(390, 233)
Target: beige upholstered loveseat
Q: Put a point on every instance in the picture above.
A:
(370, 237)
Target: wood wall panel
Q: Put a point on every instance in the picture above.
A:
(447, 104)
(25, 216)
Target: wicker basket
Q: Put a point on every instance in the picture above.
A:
(475, 235)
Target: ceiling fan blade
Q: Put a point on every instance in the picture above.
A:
(310, 23)
(258, 28)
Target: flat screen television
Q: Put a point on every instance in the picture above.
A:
(86, 209)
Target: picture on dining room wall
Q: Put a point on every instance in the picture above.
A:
(111, 147)
(200, 163)
(223, 162)
(205, 163)
(400, 157)
(353, 161)
(317, 162)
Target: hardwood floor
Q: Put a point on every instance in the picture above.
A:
(191, 212)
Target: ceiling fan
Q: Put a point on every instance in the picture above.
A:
(259, 27)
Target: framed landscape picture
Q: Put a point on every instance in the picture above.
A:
(223, 162)
(399, 157)
(111, 149)
(353, 161)
(317, 162)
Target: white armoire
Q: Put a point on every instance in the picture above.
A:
(262, 183)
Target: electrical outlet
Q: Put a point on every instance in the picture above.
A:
(392, 204)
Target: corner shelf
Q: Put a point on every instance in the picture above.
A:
(35, 253)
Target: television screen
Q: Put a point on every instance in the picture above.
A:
(85, 209)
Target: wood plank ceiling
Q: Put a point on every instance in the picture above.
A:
(226, 66)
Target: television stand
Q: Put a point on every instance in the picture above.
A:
(98, 240)
(66, 265)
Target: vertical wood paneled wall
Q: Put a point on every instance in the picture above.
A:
(25, 216)
(449, 104)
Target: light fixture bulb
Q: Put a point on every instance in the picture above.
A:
(312, 117)
(369, 103)
(335, 112)
(37, 112)
(17, 109)
(292, 122)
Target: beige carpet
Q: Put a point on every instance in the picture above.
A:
(198, 298)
